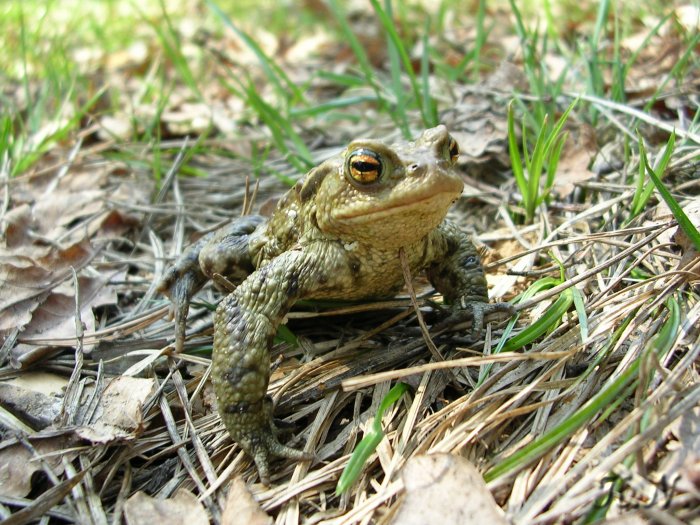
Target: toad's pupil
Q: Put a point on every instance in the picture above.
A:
(454, 149)
(365, 166)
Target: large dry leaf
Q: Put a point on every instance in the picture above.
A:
(241, 508)
(54, 318)
(119, 414)
(446, 489)
(573, 168)
(46, 235)
(182, 509)
(18, 463)
(26, 280)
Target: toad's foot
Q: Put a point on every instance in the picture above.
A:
(179, 285)
(476, 310)
(256, 434)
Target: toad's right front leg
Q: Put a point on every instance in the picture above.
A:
(245, 324)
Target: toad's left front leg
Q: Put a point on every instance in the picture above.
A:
(458, 275)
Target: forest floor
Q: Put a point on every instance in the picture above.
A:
(126, 133)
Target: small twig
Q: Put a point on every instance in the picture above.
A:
(411, 292)
(505, 357)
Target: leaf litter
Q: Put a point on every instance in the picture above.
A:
(137, 435)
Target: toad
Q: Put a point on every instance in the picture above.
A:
(335, 235)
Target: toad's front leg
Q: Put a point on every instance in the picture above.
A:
(458, 275)
(244, 326)
(224, 251)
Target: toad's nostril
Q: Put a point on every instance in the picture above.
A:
(414, 167)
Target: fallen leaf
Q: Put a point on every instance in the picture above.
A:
(18, 463)
(25, 277)
(630, 518)
(46, 235)
(54, 318)
(183, 508)
(41, 382)
(241, 508)
(579, 150)
(119, 413)
(445, 489)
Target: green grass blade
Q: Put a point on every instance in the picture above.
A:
(638, 202)
(547, 321)
(285, 88)
(515, 159)
(580, 312)
(604, 402)
(170, 40)
(683, 221)
(300, 157)
(29, 158)
(400, 99)
(396, 43)
(659, 165)
(554, 154)
(536, 167)
(603, 399)
(595, 74)
(358, 51)
(663, 341)
(428, 103)
(345, 80)
(370, 441)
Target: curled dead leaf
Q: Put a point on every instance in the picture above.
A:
(445, 489)
(183, 508)
(241, 508)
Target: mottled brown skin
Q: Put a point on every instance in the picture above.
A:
(335, 234)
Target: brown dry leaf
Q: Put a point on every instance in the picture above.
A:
(241, 508)
(631, 518)
(55, 317)
(579, 150)
(119, 414)
(445, 489)
(183, 508)
(657, 57)
(479, 120)
(44, 236)
(41, 382)
(18, 464)
(27, 279)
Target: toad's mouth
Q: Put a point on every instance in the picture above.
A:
(436, 201)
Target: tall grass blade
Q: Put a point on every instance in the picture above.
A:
(683, 221)
(286, 89)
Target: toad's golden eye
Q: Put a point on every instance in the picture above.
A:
(365, 166)
(452, 150)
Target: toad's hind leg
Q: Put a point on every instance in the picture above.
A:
(224, 251)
